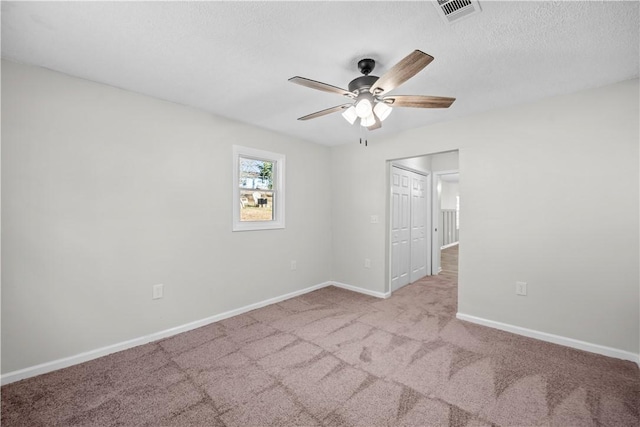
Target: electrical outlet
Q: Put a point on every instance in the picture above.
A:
(294, 265)
(158, 291)
(367, 263)
(374, 219)
(521, 288)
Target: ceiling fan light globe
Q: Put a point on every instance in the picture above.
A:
(364, 108)
(370, 120)
(350, 114)
(382, 110)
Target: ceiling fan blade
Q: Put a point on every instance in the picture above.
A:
(376, 125)
(319, 86)
(401, 72)
(418, 101)
(325, 112)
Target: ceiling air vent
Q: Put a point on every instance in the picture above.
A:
(454, 10)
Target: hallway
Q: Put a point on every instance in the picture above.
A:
(449, 263)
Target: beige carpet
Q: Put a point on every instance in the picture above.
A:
(337, 358)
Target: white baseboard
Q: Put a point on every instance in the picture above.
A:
(556, 339)
(54, 365)
(362, 290)
(449, 245)
(43, 368)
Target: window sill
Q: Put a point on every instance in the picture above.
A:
(256, 226)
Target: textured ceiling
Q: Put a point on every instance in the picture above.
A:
(234, 58)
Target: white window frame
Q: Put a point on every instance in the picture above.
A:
(278, 183)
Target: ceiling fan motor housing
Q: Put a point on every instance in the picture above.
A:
(362, 83)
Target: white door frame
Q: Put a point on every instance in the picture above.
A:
(435, 215)
(429, 189)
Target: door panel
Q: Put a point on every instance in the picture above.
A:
(395, 249)
(400, 228)
(418, 227)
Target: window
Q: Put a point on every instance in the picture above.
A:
(258, 189)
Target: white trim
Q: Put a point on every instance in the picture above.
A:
(362, 290)
(556, 339)
(446, 171)
(279, 160)
(409, 169)
(54, 365)
(449, 245)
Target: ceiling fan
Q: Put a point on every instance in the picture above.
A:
(368, 101)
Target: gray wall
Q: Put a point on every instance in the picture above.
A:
(106, 192)
(445, 161)
(448, 197)
(549, 195)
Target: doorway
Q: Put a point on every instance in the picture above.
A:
(416, 235)
(446, 212)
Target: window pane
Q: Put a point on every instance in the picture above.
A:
(256, 190)
(256, 205)
(256, 174)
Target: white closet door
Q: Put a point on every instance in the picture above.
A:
(400, 228)
(418, 227)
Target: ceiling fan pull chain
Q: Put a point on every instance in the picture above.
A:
(363, 131)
